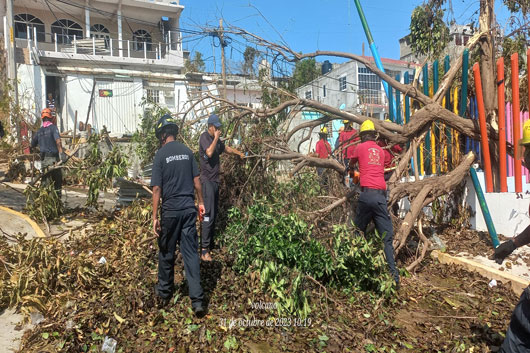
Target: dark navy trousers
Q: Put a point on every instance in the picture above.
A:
(210, 193)
(372, 206)
(517, 338)
(179, 229)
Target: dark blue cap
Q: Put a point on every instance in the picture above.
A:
(214, 120)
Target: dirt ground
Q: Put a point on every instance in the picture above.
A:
(438, 308)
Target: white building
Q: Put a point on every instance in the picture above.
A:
(100, 58)
(350, 86)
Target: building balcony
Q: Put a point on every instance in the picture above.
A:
(105, 50)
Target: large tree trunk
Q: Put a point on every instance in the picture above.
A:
(487, 58)
(487, 62)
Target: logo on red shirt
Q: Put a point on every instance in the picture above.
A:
(373, 156)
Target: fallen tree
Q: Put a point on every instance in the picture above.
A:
(431, 111)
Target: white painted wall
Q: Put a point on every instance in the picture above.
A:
(31, 86)
(508, 212)
(78, 89)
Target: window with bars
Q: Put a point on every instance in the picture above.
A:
(342, 83)
(369, 86)
(393, 73)
(153, 95)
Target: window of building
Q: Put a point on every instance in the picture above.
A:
(466, 39)
(323, 90)
(99, 31)
(66, 31)
(307, 94)
(25, 22)
(153, 96)
(458, 39)
(393, 73)
(342, 83)
(141, 39)
(369, 86)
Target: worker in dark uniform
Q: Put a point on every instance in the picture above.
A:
(51, 150)
(175, 178)
(210, 147)
(517, 338)
(372, 205)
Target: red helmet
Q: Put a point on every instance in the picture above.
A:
(46, 114)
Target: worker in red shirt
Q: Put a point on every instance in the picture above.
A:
(390, 153)
(347, 141)
(372, 205)
(323, 150)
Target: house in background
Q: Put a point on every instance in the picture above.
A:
(349, 86)
(106, 54)
(459, 36)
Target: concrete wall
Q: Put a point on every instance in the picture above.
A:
(508, 211)
(31, 88)
(78, 89)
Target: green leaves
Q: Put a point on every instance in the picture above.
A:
(304, 72)
(429, 34)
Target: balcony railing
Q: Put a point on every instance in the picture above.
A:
(102, 46)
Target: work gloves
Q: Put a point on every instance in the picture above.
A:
(503, 250)
(63, 157)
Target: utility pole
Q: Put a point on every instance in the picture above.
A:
(223, 60)
(11, 64)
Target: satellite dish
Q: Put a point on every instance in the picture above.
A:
(342, 106)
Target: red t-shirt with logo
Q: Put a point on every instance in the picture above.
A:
(371, 160)
(345, 138)
(323, 149)
(389, 157)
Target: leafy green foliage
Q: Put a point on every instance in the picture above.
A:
(43, 203)
(518, 6)
(429, 34)
(97, 170)
(144, 140)
(281, 247)
(196, 64)
(305, 71)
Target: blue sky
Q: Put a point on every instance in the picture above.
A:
(313, 24)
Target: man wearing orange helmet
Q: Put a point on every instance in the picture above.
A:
(51, 150)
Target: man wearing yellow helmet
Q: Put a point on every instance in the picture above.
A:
(323, 149)
(517, 337)
(372, 204)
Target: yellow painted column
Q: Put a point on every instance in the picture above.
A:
(433, 139)
(456, 139)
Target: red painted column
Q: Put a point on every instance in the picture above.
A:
(483, 129)
(516, 122)
(502, 125)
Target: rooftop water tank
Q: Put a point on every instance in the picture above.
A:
(326, 67)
